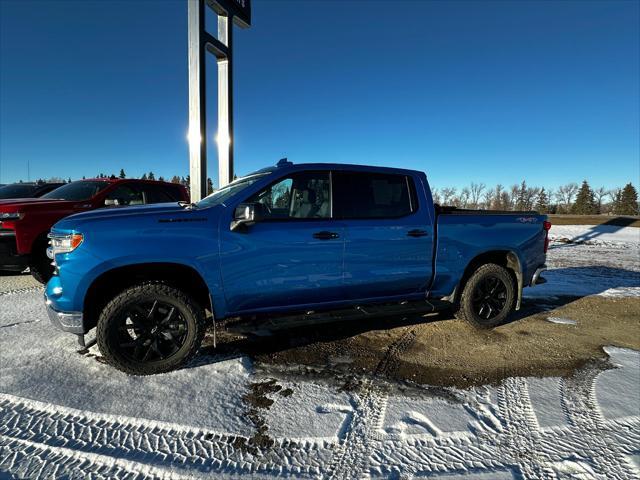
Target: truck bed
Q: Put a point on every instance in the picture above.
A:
(450, 210)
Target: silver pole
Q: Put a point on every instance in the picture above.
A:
(225, 104)
(197, 101)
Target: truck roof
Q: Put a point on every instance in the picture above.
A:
(285, 165)
(118, 180)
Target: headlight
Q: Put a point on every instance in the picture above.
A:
(65, 243)
(11, 216)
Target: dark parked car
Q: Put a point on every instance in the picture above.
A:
(27, 190)
(25, 223)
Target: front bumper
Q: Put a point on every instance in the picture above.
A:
(67, 321)
(9, 258)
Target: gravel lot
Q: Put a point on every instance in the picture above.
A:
(554, 394)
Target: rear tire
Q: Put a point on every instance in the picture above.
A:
(488, 297)
(40, 265)
(150, 328)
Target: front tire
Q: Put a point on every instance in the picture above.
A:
(150, 328)
(488, 297)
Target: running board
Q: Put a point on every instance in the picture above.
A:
(273, 323)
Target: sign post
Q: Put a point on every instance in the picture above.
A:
(229, 12)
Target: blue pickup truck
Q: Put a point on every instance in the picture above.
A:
(284, 245)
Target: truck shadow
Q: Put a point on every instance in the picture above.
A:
(558, 292)
(610, 226)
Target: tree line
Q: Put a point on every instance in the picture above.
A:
(569, 198)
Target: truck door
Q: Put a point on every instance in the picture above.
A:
(389, 235)
(292, 257)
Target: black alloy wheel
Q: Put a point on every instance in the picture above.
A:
(489, 297)
(150, 328)
(151, 331)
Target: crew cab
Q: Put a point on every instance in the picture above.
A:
(25, 222)
(284, 245)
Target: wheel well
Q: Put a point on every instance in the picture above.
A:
(39, 244)
(112, 282)
(504, 258)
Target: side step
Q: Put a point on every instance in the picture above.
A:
(274, 323)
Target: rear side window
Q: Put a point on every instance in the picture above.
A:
(124, 195)
(161, 193)
(372, 195)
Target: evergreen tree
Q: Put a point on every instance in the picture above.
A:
(151, 176)
(69, 180)
(122, 174)
(542, 202)
(161, 178)
(585, 201)
(112, 177)
(521, 196)
(626, 202)
(209, 186)
(143, 177)
(175, 179)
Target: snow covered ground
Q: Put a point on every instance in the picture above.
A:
(592, 260)
(65, 414)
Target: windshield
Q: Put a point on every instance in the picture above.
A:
(219, 196)
(82, 190)
(17, 191)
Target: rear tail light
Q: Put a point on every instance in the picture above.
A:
(546, 226)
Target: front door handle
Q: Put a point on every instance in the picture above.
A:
(324, 235)
(417, 233)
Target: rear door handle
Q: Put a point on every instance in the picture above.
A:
(417, 233)
(324, 235)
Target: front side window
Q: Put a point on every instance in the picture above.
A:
(299, 196)
(372, 195)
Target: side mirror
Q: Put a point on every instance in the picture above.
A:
(246, 214)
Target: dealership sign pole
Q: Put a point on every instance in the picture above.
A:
(229, 12)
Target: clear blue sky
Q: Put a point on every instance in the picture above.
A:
(466, 91)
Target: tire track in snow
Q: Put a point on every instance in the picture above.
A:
(352, 454)
(23, 459)
(49, 429)
(579, 402)
(522, 433)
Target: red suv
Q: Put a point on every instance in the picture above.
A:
(25, 222)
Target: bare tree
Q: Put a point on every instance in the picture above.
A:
(505, 201)
(448, 193)
(565, 195)
(488, 199)
(463, 200)
(475, 192)
(513, 197)
(497, 198)
(599, 195)
(435, 193)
